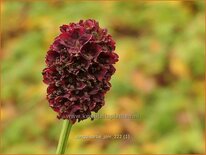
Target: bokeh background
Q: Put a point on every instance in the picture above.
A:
(160, 76)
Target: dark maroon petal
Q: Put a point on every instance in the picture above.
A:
(110, 72)
(98, 97)
(74, 109)
(65, 56)
(84, 39)
(51, 89)
(93, 90)
(98, 106)
(52, 57)
(107, 58)
(50, 75)
(92, 105)
(91, 51)
(80, 85)
(64, 28)
(106, 86)
(57, 46)
(80, 62)
(72, 44)
(98, 71)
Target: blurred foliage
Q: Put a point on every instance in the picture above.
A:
(160, 76)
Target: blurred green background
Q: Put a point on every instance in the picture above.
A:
(160, 76)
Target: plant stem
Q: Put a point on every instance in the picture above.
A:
(66, 128)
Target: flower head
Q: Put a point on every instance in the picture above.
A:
(79, 67)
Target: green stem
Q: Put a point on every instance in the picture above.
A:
(66, 128)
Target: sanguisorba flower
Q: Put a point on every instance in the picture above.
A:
(79, 68)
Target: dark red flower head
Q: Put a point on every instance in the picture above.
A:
(79, 67)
